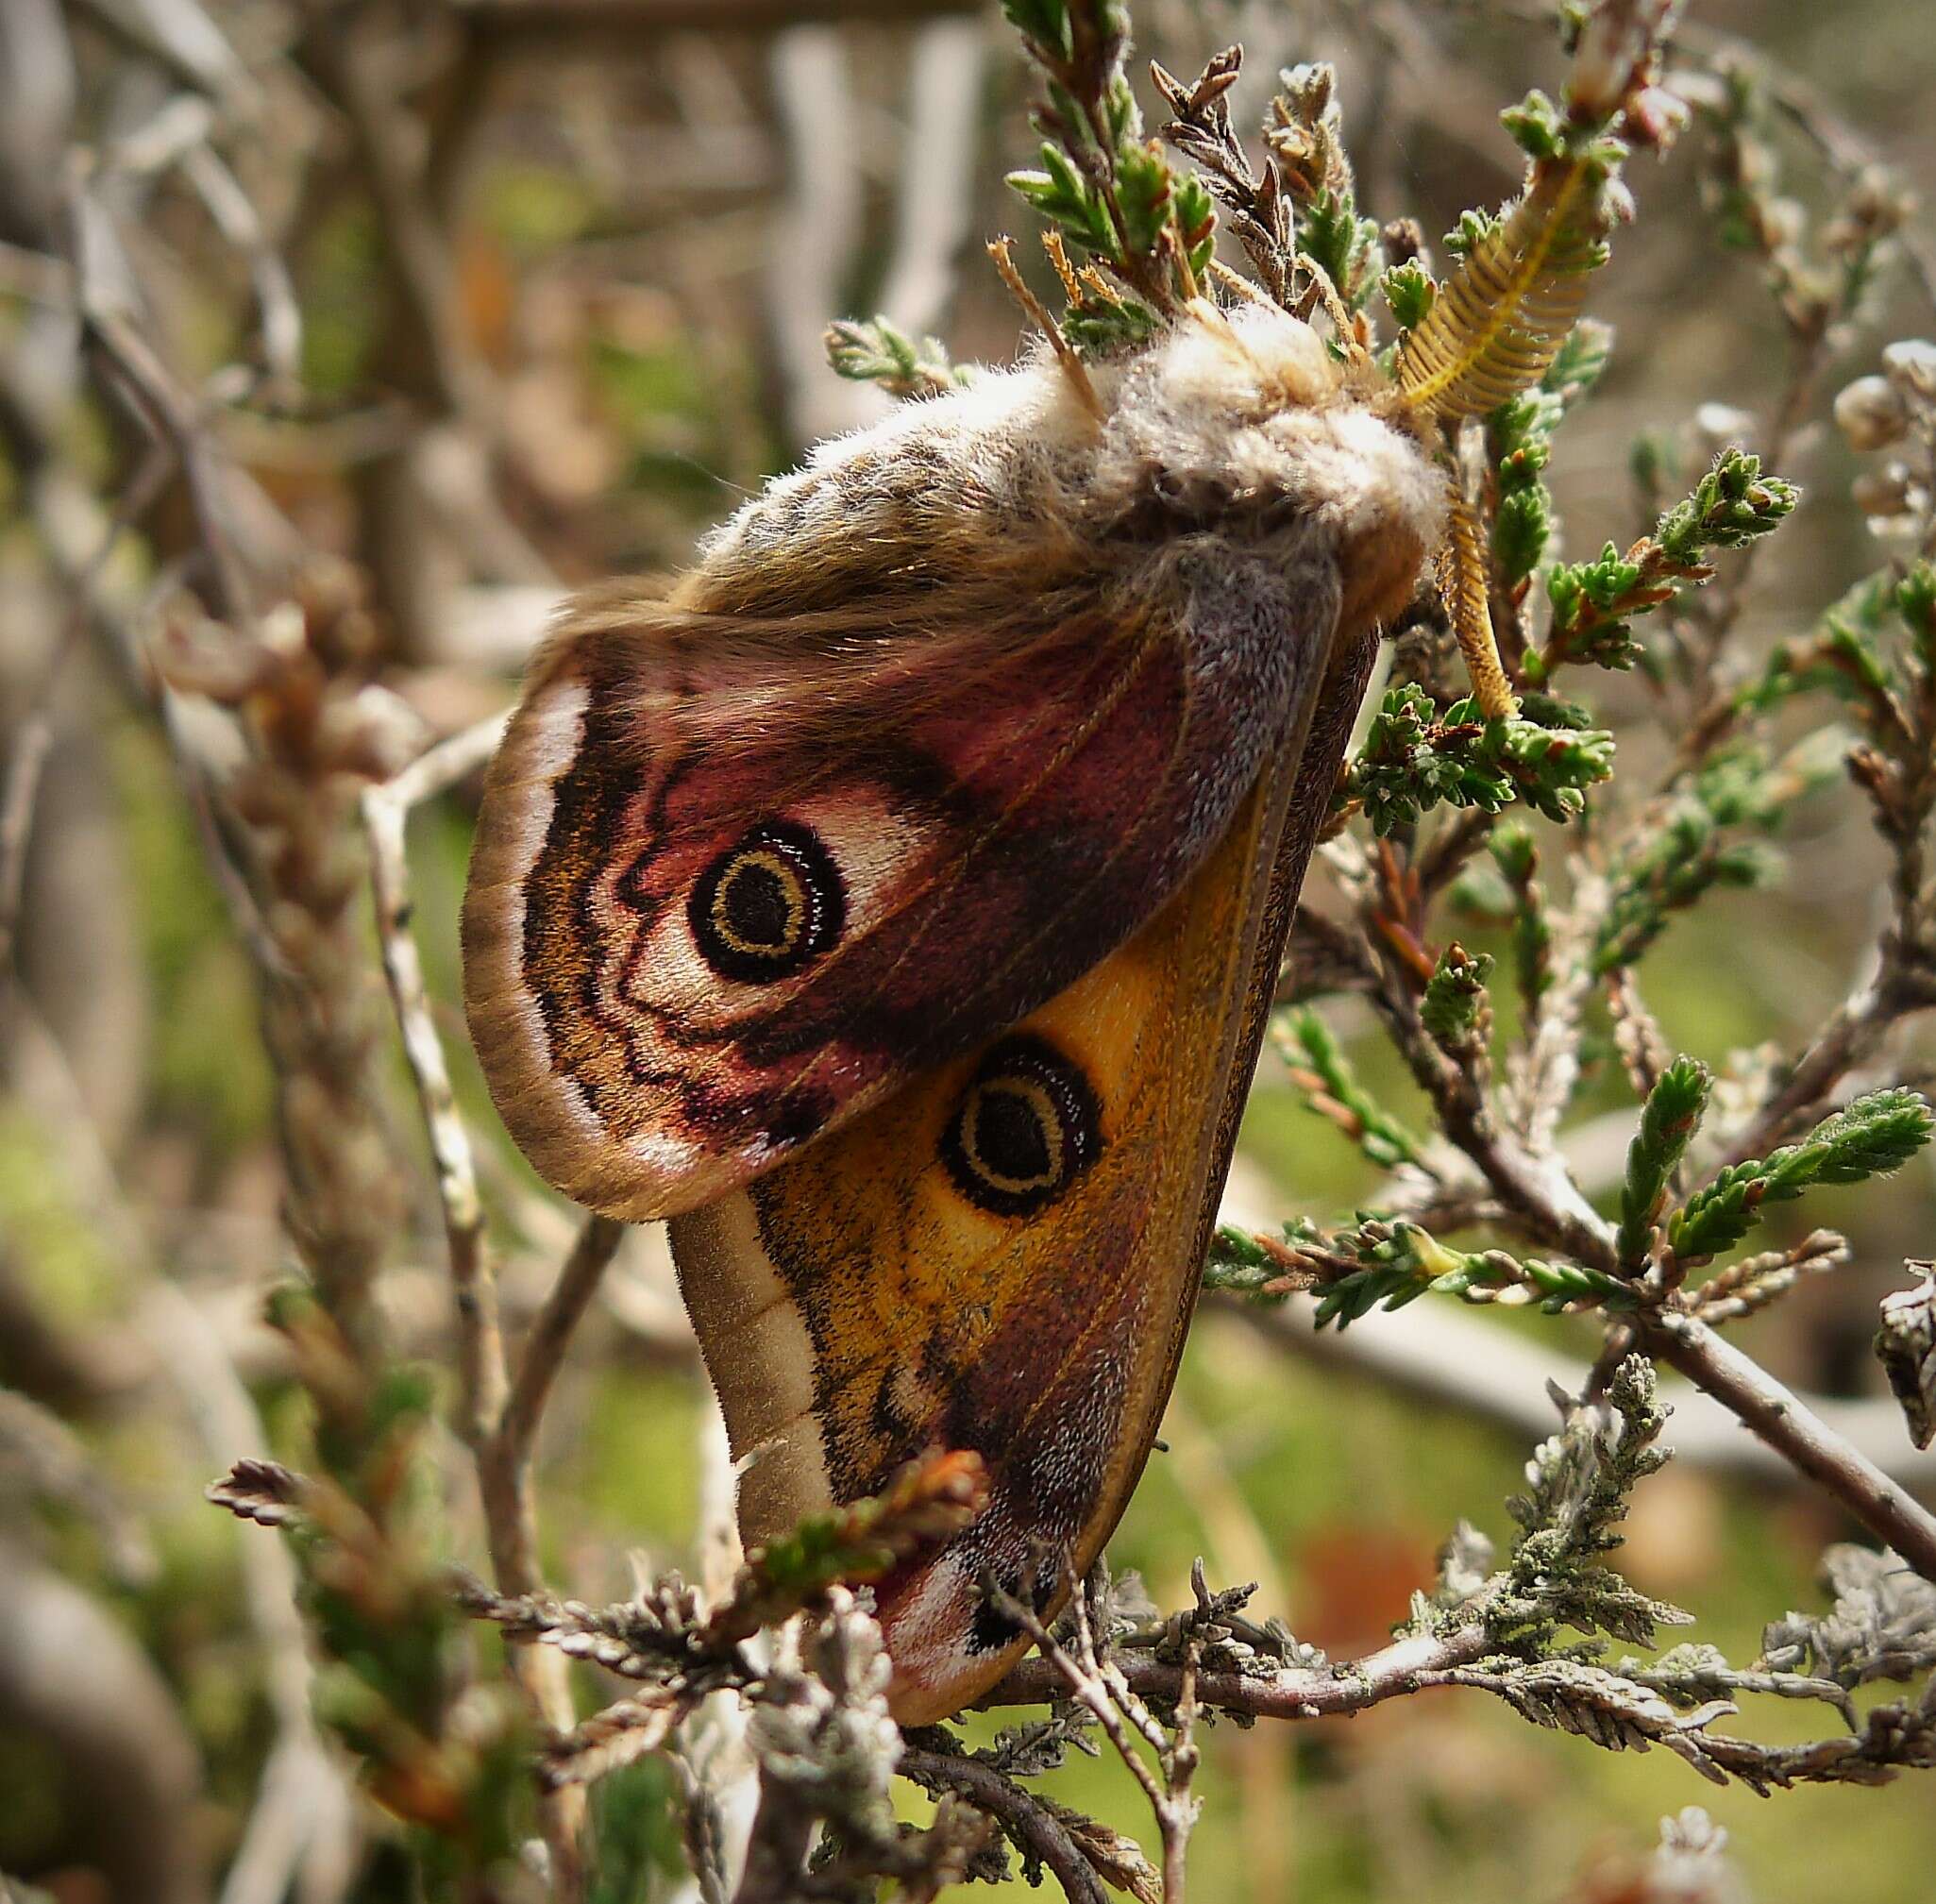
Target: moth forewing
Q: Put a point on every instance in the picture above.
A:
(902, 901)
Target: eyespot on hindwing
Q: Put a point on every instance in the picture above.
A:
(1027, 1126)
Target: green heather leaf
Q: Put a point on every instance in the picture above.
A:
(1415, 758)
(1522, 526)
(1453, 1005)
(1045, 22)
(1409, 290)
(1401, 1262)
(876, 351)
(1381, 1137)
(1668, 1121)
(1915, 602)
(1536, 126)
(1142, 195)
(1876, 1134)
(1196, 219)
(1330, 232)
(1472, 232)
(1096, 327)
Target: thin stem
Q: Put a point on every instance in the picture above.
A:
(480, 1333)
(1299, 1692)
(1097, 1684)
(551, 1335)
(776, 1849)
(440, 767)
(1537, 1186)
(1177, 1816)
(1783, 1421)
(33, 741)
(1026, 1819)
(167, 415)
(34, 737)
(500, 1417)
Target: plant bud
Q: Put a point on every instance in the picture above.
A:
(1910, 365)
(1893, 501)
(1783, 221)
(1883, 492)
(1871, 414)
(1721, 426)
(1755, 167)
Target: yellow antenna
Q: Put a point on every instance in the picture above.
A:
(1492, 332)
(1463, 583)
(1498, 322)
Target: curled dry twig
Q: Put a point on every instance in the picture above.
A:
(1906, 1346)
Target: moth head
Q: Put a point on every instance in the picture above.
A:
(1247, 420)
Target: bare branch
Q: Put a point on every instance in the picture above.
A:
(551, 1335)
(1032, 1823)
(1328, 1691)
(480, 1335)
(1780, 1419)
(1458, 1360)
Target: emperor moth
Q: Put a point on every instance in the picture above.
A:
(895, 903)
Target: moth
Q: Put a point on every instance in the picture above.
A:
(895, 906)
